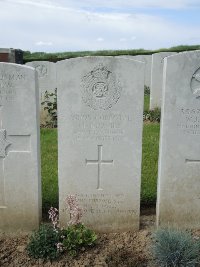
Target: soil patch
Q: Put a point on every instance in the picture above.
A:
(130, 249)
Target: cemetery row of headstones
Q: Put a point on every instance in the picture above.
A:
(153, 78)
(100, 111)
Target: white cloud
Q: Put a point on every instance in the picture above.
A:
(113, 4)
(41, 43)
(123, 39)
(123, 4)
(133, 38)
(100, 39)
(116, 4)
(65, 26)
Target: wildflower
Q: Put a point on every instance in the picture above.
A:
(53, 216)
(59, 247)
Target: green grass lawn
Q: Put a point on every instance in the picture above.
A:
(50, 172)
(150, 149)
(49, 162)
(146, 102)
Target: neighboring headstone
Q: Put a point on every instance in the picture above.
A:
(20, 184)
(147, 60)
(47, 82)
(157, 78)
(178, 202)
(100, 107)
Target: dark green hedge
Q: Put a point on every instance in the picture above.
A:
(28, 56)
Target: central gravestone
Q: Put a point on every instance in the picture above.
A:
(20, 189)
(100, 107)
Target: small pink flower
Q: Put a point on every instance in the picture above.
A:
(53, 216)
(59, 247)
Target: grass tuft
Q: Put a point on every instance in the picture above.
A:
(49, 162)
(150, 148)
(175, 248)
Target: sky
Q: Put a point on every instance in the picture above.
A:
(82, 25)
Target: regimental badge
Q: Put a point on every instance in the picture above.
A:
(195, 83)
(100, 88)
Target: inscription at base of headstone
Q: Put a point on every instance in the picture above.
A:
(100, 106)
(20, 192)
(178, 202)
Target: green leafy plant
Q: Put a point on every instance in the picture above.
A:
(50, 240)
(77, 237)
(50, 104)
(175, 248)
(152, 115)
(44, 243)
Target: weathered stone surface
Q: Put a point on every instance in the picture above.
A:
(47, 82)
(20, 192)
(100, 106)
(178, 202)
(157, 78)
(147, 59)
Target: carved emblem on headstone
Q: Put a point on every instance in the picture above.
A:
(195, 83)
(100, 88)
(3, 143)
(42, 70)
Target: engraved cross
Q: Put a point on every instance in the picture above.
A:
(9, 143)
(98, 162)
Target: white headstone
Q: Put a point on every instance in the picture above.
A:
(147, 60)
(47, 82)
(157, 78)
(20, 185)
(178, 202)
(100, 106)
